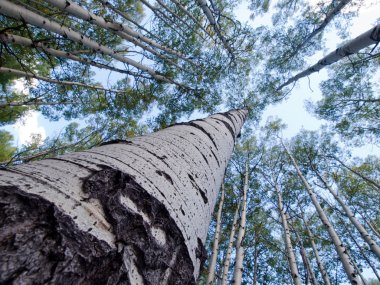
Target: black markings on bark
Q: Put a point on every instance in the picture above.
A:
(167, 176)
(116, 142)
(41, 245)
(195, 185)
(228, 127)
(152, 258)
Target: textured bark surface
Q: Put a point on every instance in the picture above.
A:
(127, 212)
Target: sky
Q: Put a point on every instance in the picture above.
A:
(292, 111)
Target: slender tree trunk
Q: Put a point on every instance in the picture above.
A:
(362, 252)
(134, 212)
(227, 258)
(183, 9)
(55, 81)
(363, 232)
(206, 10)
(306, 260)
(329, 17)
(238, 272)
(370, 181)
(357, 269)
(14, 39)
(321, 267)
(79, 12)
(340, 248)
(20, 13)
(215, 248)
(288, 243)
(366, 39)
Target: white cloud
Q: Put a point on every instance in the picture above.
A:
(28, 126)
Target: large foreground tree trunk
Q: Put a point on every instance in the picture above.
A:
(127, 212)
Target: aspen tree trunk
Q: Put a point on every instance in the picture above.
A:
(306, 260)
(366, 39)
(183, 9)
(14, 39)
(20, 13)
(329, 17)
(206, 10)
(288, 243)
(127, 212)
(363, 232)
(55, 81)
(238, 272)
(215, 248)
(362, 252)
(340, 248)
(227, 259)
(357, 269)
(321, 267)
(81, 13)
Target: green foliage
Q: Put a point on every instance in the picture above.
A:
(6, 148)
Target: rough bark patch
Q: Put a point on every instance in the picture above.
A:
(40, 245)
(158, 261)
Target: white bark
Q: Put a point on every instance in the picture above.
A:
(227, 259)
(288, 243)
(238, 272)
(321, 267)
(363, 232)
(14, 39)
(366, 39)
(180, 168)
(55, 81)
(20, 13)
(215, 247)
(206, 10)
(340, 248)
(81, 13)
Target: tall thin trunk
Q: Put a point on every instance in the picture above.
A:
(363, 232)
(215, 248)
(227, 259)
(321, 267)
(362, 251)
(206, 10)
(288, 243)
(134, 211)
(81, 13)
(306, 260)
(370, 181)
(183, 9)
(14, 39)
(238, 272)
(364, 282)
(366, 39)
(329, 17)
(37, 102)
(340, 248)
(55, 81)
(20, 13)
